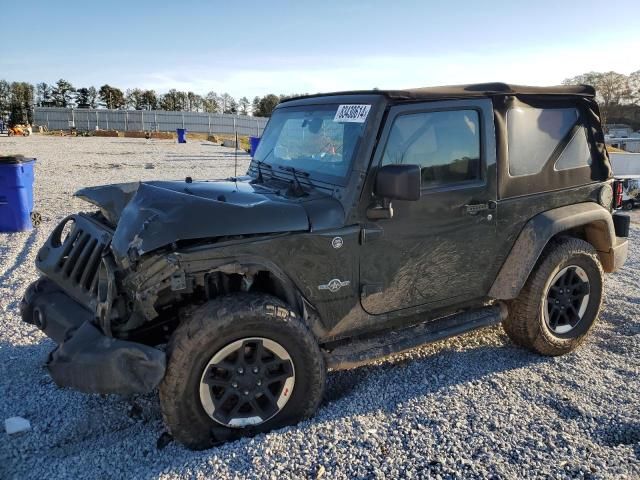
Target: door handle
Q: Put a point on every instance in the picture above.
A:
(475, 208)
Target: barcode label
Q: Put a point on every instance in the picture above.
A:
(352, 113)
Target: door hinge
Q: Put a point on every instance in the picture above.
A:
(370, 233)
(366, 290)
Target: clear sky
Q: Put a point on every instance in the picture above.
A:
(256, 47)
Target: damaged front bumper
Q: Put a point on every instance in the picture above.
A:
(86, 359)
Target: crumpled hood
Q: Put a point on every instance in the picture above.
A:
(150, 215)
(111, 199)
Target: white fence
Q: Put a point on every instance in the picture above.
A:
(147, 120)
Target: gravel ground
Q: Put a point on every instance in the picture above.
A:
(474, 406)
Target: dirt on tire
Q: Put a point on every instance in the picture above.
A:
(216, 324)
(525, 324)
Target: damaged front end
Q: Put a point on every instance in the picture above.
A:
(75, 303)
(117, 282)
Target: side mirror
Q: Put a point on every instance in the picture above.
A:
(399, 182)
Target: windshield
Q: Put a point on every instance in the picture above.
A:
(318, 139)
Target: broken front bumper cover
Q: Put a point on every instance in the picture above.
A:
(86, 359)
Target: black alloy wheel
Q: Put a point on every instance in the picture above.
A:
(567, 299)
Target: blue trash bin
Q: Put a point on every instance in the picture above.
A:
(253, 143)
(16, 193)
(182, 135)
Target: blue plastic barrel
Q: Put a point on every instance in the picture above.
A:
(182, 135)
(16, 193)
(253, 143)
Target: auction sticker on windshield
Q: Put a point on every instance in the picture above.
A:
(352, 113)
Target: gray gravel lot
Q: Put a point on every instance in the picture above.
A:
(474, 406)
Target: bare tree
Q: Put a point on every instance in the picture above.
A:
(634, 87)
(244, 105)
(612, 89)
(195, 102)
(225, 102)
(211, 104)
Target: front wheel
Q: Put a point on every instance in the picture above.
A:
(240, 365)
(560, 301)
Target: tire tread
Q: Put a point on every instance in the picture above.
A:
(524, 325)
(206, 322)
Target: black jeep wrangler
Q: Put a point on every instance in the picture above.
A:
(368, 223)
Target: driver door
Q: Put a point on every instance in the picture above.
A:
(440, 249)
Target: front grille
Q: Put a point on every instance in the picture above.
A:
(72, 255)
(80, 260)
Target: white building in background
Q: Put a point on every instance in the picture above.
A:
(623, 137)
(618, 130)
(631, 145)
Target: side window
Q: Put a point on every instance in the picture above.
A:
(576, 154)
(533, 136)
(446, 145)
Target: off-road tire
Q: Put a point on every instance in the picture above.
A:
(525, 324)
(211, 327)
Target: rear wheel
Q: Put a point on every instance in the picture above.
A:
(628, 205)
(561, 300)
(240, 365)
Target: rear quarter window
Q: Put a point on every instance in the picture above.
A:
(533, 136)
(576, 154)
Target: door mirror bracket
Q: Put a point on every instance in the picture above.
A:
(381, 212)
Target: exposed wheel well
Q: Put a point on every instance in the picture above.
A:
(252, 280)
(597, 234)
(203, 286)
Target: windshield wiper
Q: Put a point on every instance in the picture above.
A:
(259, 179)
(297, 189)
(259, 163)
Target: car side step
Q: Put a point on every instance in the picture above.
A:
(357, 352)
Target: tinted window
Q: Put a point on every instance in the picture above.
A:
(534, 134)
(576, 154)
(446, 145)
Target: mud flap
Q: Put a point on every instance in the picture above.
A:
(90, 362)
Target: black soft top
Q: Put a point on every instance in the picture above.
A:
(466, 91)
(503, 97)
